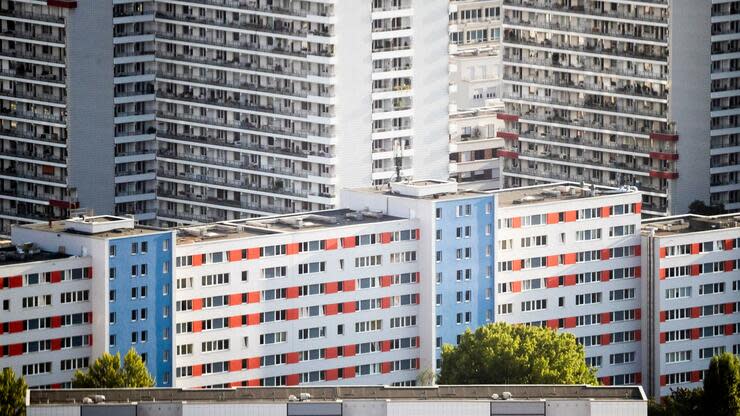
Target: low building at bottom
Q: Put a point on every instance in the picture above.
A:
(482, 400)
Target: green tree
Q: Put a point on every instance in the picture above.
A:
(12, 394)
(515, 354)
(681, 402)
(722, 386)
(700, 208)
(107, 372)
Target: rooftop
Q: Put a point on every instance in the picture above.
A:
(318, 394)
(423, 189)
(253, 227)
(691, 223)
(26, 253)
(564, 191)
(103, 226)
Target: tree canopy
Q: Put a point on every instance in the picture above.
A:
(12, 394)
(515, 354)
(107, 372)
(722, 386)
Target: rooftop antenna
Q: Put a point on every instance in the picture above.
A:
(398, 157)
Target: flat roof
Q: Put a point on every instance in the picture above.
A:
(280, 224)
(319, 394)
(385, 190)
(563, 191)
(9, 255)
(691, 223)
(61, 227)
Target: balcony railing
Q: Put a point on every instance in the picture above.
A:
(586, 87)
(242, 185)
(619, 108)
(238, 164)
(245, 66)
(251, 5)
(594, 12)
(189, 198)
(513, 39)
(587, 66)
(235, 24)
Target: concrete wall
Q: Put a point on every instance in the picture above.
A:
(689, 104)
(90, 103)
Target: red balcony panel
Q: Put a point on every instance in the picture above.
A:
(662, 274)
(516, 265)
(516, 286)
(605, 275)
(638, 250)
(348, 372)
(385, 238)
(552, 324)
(606, 339)
(253, 363)
(197, 326)
(349, 350)
(728, 308)
(331, 309)
(291, 292)
(695, 376)
(729, 265)
(553, 217)
(605, 254)
(695, 248)
(508, 154)
(348, 242)
(197, 304)
(729, 329)
(197, 259)
(663, 380)
(253, 319)
(235, 299)
(235, 321)
(56, 321)
(571, 216)
(663, 175)
(253, 253)
(17, 349)
(349, 307)
(507, 117)
(637, 207)
(291, 249)
(348, 285)
(663, 156)
(729, 245)
(385, 281)
(235, 384)
(695, 312)
(64, 4)
(291, 314)
(606, 317)
(507, 135)
(516, 222)
(235, 255)
(385, 367)
(662, 316)
(15, 326)
(664, 137)
(570, 280)
(552, 261)
(695, 269)
(292, 379)
(56, 276)
(331, 244)
(551, 282)
(253, 297)
(606, 381)
(292, 357)
(253, 383)
(56, 344)
(331, 374)
(418, 233)
(235, 365)
(663, 252)
(695, 333)
(197, 370)
(330, 353)
(331, 287)
(605, 212)
(638, 335)
(15, 281)
(385, 303)
(570, 322)
(570, 258)
(638, 314)
(662, 337)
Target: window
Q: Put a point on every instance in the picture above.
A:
(144, 247)
(369, 326)
(112, 273)
(112, 251)
(622, 358)
(588, 298)
(588, 235)
(678, 292)
(712, 288)
(315, 267)
(274, 272)
(273, 338)
(537, 241)
(588, 213)
(505, 308)
(215, 279)
(311, 333)
(403, 321)
(534, 305)
(134, 248)
(678, 357)
(622, 230)
(621, 294)
(534, 220)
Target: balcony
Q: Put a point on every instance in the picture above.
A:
(586, 124)
(600, 163)
(617, 109)
(627, 90)
(24, 36)
(34, 157)
(632, 145)
(235, 64)
(33, 117)
(237, 164)
(286, 30)
(247, 46)
(591, 30)
(548, 6)
(52, 139)
(33, 175)
(556, 175)
(34, 96)
(587, 67)
(240, 185)
(33, 56)
(246, 86)
(39, 17)
(243, 125)
(251, 5)
(512, 40)
(199, 199)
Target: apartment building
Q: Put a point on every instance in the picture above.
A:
(568, 258)
(692, 308)
(725, 107)
(475, 93)
(126, 287)
(57, 115)
(558, 400)
(599, 92)
(47, 313)
(248, 94)
(457, 253)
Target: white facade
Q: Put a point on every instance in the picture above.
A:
(571, 262)
(601, 93)
(475, 93)
(46, 328)
(692, 310)
(273, 108)
(334, 303)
